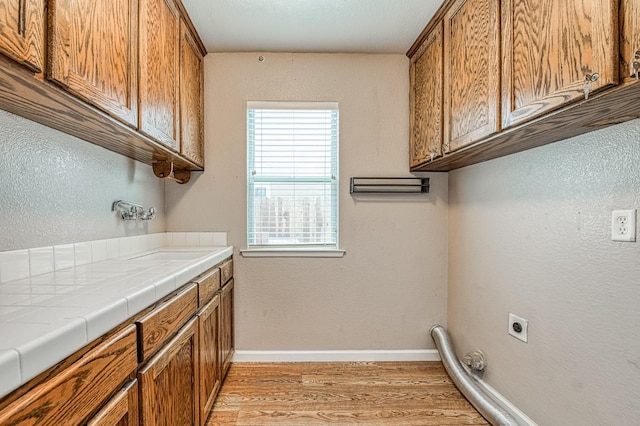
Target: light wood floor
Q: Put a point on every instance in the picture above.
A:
(379, 393)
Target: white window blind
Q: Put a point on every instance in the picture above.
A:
(292, 175)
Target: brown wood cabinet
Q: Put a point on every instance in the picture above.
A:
(550, 48)
(121, 410)
(227, 338)
(471, 72)
(22, 32)
(426, 99)
(159, 71)
(159, 325)
(548, 51)
(169, 383)
(191, 97)
(629, 21)
(93, 53)
(209, 363)
(79, 389)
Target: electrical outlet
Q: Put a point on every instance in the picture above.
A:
(518, 327)
(623, 225)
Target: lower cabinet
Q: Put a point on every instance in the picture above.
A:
(169, 382)
(209, 364)
(227, 341)
(71, 395)
(165, 366)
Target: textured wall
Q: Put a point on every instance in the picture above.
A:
(57, 189)
(530, 234)
(391, 285)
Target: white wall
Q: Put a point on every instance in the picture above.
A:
(391, 285)
(530, 234)
(57, 189)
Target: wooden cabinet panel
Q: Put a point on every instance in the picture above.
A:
(226, 270)
(70, 396)
(121, 410)
(549, 47)
(22, 32)
(471, 72)
(629, 39)
(191, 98)
(160, 324)
(209, 364)
(93, 53)
(426, 99)
(159, 71)
(227, 340)
(169, 384)
(208, 286)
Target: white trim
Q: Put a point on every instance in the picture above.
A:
(336, 356)
(290, 105)
(514, 411)
(295, 252)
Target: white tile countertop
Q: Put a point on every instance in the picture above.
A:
(47, 317)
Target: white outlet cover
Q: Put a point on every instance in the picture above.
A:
(523, 334)
(623, 225)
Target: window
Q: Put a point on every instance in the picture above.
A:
(292, 175)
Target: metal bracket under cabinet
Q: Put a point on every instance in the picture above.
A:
(389, 185)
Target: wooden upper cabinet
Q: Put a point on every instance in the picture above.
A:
(159, 71)
(191, 97)
(93, 53)
(22, 32)
(629, 40)
(426, 101)
(471, 72)
(550, 47)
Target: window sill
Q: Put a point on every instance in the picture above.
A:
(283, 252)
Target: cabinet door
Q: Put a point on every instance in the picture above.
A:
(629, 40)
(209, 365)
(471, 72)
(22, 30)
(191, 98)
(426, 99)
(159, 67)
(93, 53)
(227, 343)
(169, 383)
(121, 410)
(550, 47)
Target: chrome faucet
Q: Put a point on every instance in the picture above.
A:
(132, 211)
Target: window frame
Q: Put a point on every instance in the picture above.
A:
(293, 250)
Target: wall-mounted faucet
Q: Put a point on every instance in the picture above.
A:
(132, 211)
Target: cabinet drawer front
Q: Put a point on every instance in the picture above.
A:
(207, 287)
(70, 396)
(163, 322)
(226, 270)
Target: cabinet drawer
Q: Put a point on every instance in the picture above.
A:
(226, 269)
(164, 321)
(121, 410)
(207, 286)
(70, 396)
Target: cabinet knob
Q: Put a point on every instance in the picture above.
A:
(636, 65)
(588, 79)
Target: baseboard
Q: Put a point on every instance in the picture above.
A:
(336, 356)
(518, 415)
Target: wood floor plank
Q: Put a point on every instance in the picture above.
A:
(389, 393)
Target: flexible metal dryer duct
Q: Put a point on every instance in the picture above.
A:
(486, 406)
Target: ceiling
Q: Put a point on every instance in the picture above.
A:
(336, 26)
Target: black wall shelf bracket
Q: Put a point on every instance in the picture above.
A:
(389, 185)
